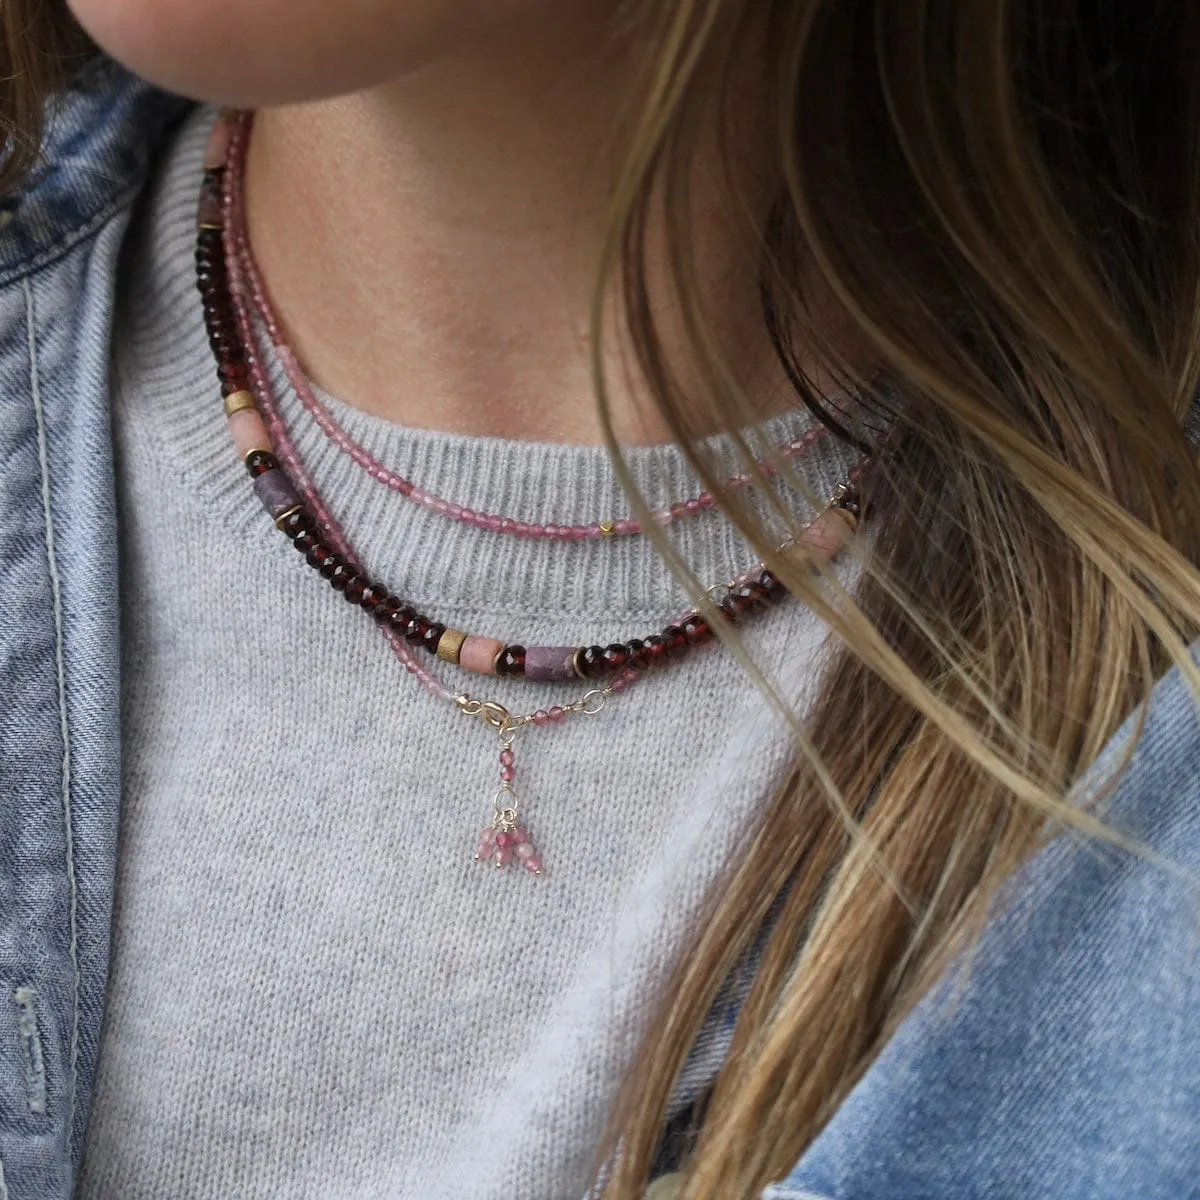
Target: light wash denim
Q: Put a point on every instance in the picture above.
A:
(1067, 1066)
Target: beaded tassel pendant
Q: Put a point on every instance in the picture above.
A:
(504, 841)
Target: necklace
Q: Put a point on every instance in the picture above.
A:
(490, 522)
(286, 490)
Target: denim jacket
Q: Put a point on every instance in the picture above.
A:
(1066, 1065)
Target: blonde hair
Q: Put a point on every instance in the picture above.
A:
(1002, 200)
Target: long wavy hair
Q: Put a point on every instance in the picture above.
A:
(1001, 198)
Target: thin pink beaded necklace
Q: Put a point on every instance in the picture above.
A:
(490, 522)
(221, 216)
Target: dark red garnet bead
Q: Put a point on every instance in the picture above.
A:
(342, 574)
(589, 662)
(416, 629)
(259, 462)
(616, 656)
(386, 609)
(298, 521)
(696, 629)
(305, 540)
(373, 595)
(675, 641)
(318, 555)
(330, 564)
(432, 635)
(656, 651)
(402, 619)
(356, 585)
(635, 654)
(511, 661)
(773, 587)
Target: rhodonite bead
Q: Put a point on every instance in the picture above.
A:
(275, 492)
(696, 629)
(550, 663)
(615, 657)
(478, 654)
(675, 641)
(259, 462)
(511, 661)
(431, 636)
(589, 662)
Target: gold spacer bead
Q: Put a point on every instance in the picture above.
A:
(450, 644)
(283, 516)
(575, 662)
(607, 528)
(201, 228)
(237, 402)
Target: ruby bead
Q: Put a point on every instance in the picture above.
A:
(697, 631)
(298, 521)
(589, 662)
(356, 585)
(675, 641)
(557, 715)
(342, 574)
(615, 657)
(259, 462)
(431, 636)
(541, 717)
(511, 661)
(305, 540)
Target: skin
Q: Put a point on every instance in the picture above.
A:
(427, 187)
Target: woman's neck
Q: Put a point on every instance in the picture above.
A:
(431, 245)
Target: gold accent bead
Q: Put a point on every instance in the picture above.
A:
(237, 402)
(202, 228)
(575, 666)
(607, 528)
(283, 516)
(449, 645)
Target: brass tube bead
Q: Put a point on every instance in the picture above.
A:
(450, 645)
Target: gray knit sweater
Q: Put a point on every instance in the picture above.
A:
(316, 992)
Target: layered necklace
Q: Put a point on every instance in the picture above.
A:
(233, 300)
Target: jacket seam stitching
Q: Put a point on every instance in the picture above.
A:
(64, 724)
(68, 241)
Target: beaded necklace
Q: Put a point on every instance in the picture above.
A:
(490, 522)
(285, 488)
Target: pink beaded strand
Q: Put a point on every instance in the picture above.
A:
(489, 522)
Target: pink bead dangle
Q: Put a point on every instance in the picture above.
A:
(504, 841)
